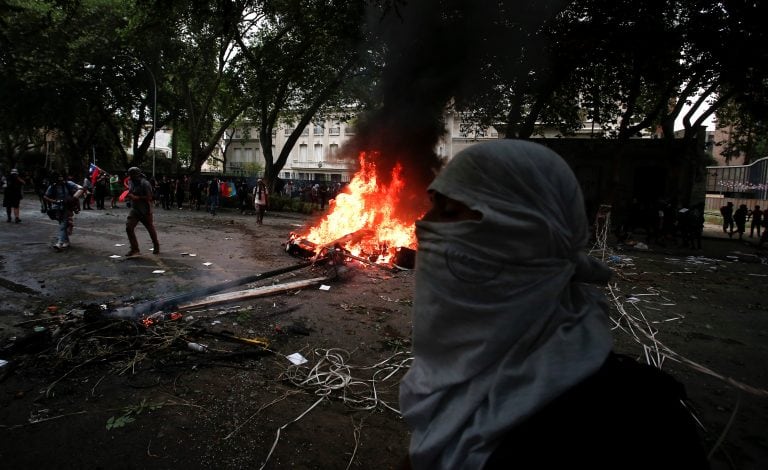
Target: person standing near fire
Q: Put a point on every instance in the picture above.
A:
(512, 348)
(260, 200)
(141, 195)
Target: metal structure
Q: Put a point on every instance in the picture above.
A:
(742, 181)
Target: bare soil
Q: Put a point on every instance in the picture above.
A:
(83, 390)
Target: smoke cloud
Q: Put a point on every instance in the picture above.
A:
(433, 49)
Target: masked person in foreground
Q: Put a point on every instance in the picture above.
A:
(513, 364)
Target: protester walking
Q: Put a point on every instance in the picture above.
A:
(512, 349)
(63, 197)
(140, 194)
(12, 195)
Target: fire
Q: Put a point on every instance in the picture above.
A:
(364, 215)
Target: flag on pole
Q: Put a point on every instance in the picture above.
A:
(94, 172)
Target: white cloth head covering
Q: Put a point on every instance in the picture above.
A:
(502, 321)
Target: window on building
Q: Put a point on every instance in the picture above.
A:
(318, 152)
(238, 155)
(335, 130)
(256, 155)
(303, 152)
(248, 155)
(333, 152)
(305, 131)
(349, 130)
(288, 131)
(318, 129)
(238, 134)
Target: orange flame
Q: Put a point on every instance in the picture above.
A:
(367, 208)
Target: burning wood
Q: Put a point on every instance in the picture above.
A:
(374, 254)
(366, 221)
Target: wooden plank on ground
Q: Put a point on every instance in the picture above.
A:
(251, 293)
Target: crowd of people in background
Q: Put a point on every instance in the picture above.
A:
(249, 196)
(667, 224)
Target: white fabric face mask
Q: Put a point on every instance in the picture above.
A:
(500, 325)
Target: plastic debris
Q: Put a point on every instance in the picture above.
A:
(297, 359)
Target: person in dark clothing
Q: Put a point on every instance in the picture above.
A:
(213, 195)
(727, 212)
(243, 196)
(100, 190)
(740, 219)
(141, 194)
(12, 195)
(182, 187)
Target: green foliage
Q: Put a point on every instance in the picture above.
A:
(130, 413)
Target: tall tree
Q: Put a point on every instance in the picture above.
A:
(299, 53)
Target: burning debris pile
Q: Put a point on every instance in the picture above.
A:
(366, 222)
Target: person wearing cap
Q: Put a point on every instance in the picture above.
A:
(140, 195)
(513, 362)
(12, 195)
(63, 196)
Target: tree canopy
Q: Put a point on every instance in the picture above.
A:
(103, 74)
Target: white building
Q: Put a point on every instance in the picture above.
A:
(315, 154)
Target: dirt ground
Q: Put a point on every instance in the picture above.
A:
(84, 390)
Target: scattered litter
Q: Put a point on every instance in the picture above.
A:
(757, 275)
(115, 256)
(189, 318)
(324, 287)
(216, 322)
(297, 359)
(197, 347)
(158, 271)
(184, 254)
(39, 329)
(641, 246)
(227, 238)
(207, 263)
(3, 363)
(119, 244)
(193, 254)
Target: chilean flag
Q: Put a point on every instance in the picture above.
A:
(94, 172)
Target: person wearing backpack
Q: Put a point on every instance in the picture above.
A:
(63, 196)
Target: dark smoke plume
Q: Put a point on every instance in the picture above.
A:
(432, 49)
